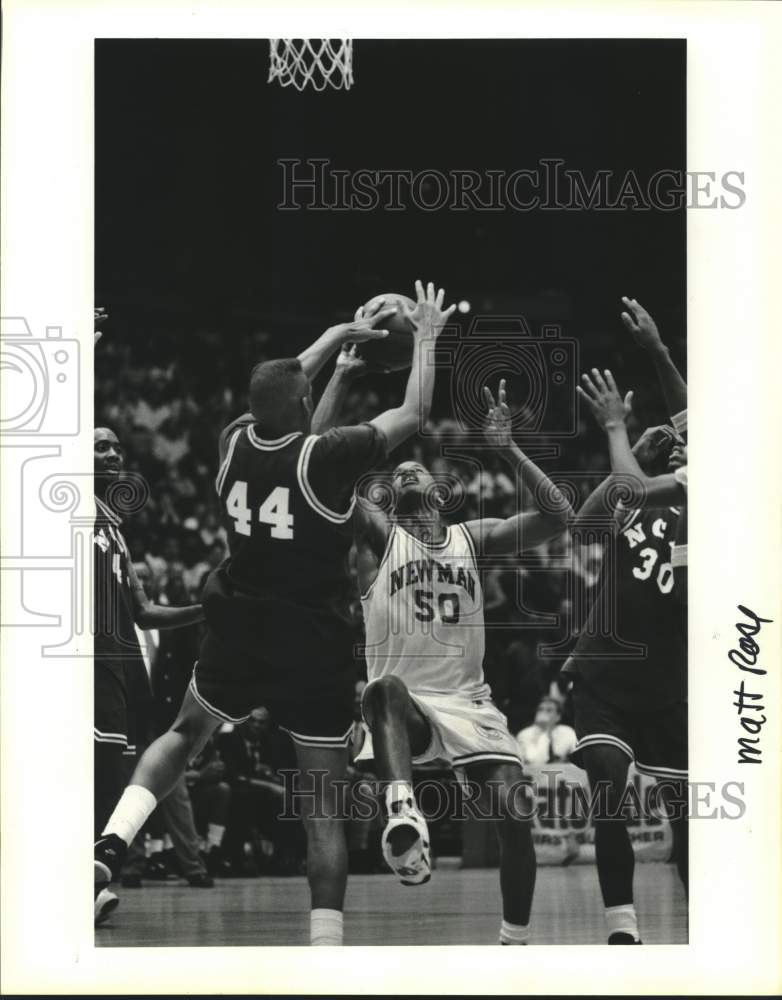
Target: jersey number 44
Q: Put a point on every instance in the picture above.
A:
(274, 511)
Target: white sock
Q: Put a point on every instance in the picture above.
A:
(325, 927)
(132, 811)
(514, 933)
(214, 834)
(622, 919)
(398, 791)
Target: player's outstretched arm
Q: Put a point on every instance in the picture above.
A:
(597, 504)
(428, 319)
(522, 530)
(644, 330)
(349, 367)
(314, 357)
(371, 528)
(611, 412)
(603, 501)
(149, 615)
(342, 456)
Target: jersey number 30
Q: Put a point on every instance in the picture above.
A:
(273, 510)
(644, 571)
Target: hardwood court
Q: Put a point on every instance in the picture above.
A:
(456, 907)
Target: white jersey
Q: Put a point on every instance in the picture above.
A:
(423, 615)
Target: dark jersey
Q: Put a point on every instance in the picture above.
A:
(286, 505)
(632, 650)
(116, 642)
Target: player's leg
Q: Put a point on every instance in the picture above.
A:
(165, 760)
(320, 727)
(320, 805)
(135, 865)
(661, 752)
(176, 811)
(606, 743)
(505, 797)
(607, 766)
(160, 767)
(110, 719)
(681, 842)
(674, 794)
(211, 806)
(400, 732)
(110, 740)
(220, 690)
(109, 780)
(399, 729)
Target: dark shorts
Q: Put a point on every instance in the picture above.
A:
(111, 705)
(655, 740)
(311, 698)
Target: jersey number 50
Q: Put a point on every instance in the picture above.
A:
(448, 605)
(273, 510)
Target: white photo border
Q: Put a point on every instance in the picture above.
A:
(735, 537)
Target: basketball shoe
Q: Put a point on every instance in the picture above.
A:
(405, 844)
(110, 852)
(106, 902)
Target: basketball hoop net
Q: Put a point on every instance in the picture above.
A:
(317, 62)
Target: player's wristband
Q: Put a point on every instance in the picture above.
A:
(679, 421)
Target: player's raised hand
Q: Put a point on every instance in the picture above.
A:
(604, 400)
(640, 324)
(428, 317)
(373, 312)
(651, 443)
(349, 363)
(363, 325)
(497, 427)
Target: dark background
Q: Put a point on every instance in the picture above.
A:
(188, 235)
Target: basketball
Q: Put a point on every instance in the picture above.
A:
(395, 352)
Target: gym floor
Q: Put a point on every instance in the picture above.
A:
(455, 907)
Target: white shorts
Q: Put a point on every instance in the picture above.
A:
(465, 730)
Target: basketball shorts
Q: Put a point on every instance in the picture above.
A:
(307, 685)
(465, 730)
(655, 740)
(111, 705)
